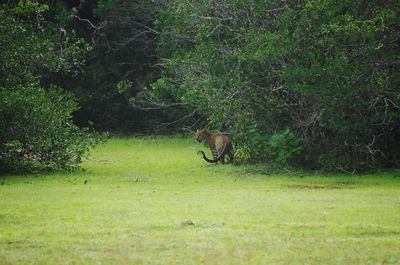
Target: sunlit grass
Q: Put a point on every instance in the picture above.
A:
(154, 201)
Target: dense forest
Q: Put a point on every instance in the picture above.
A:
(313, 84)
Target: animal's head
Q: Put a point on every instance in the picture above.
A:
(200, 135)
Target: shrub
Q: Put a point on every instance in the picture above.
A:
(285, 146)
(36, 130)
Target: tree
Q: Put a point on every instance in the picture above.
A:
(36, 130)
(312, 82)
(122, 63)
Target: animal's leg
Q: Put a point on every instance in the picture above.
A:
(214, 154)
(230, 154)
(222, 159)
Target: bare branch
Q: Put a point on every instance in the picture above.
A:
(181, 119)
(102, 24)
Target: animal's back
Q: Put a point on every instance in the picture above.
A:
(222, 142)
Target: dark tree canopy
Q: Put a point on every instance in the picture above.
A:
(306, 83)
(310, 82)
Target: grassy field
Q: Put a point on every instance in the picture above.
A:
(154, 201)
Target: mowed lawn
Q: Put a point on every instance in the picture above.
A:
(155, 201)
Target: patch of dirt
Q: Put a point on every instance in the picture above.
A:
(319, 186)
(187, 223)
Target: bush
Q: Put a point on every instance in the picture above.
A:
(285, 146)
(36, 130)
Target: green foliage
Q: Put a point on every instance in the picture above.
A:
(124, 86)
(36, 129)
(326, 71)
(103, 7)
(37, 132)
(285, 146)
(242, 154)
(315, 82)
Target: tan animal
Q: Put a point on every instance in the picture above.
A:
(219, 144)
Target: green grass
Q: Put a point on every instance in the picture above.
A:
(154, 201)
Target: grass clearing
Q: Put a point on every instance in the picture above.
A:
(152, 200)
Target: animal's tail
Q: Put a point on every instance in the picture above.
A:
(209, 160)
